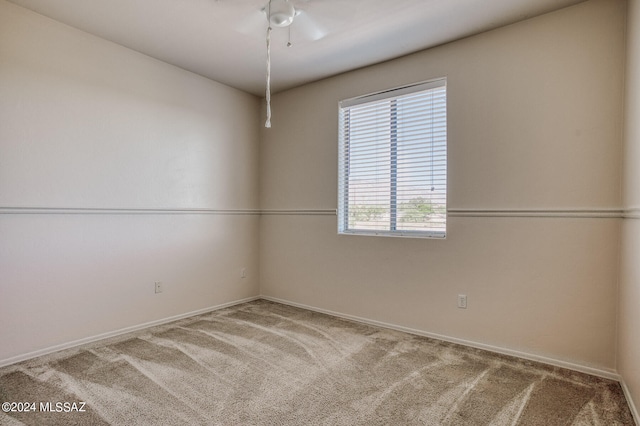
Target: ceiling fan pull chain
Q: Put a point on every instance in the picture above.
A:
(267, 124)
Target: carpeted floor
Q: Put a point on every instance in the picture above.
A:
(263, 363)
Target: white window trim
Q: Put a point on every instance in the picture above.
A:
(343, 219)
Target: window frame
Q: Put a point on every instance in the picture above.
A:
(391, 95)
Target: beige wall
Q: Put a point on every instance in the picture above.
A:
(535, 122)
(89, 124)
(629, 314)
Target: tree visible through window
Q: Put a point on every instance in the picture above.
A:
(393, 162)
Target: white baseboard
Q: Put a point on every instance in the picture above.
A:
(608, 374)
(632, 405)
(605, 373)
(91, 339)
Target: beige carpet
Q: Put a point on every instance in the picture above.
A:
(263, 363)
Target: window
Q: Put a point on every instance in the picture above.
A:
(392, 167)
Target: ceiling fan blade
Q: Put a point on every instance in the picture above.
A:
(307, 28)
(247, 17)
(252, 23)
(322, 17)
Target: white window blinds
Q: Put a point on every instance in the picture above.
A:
(392, 167)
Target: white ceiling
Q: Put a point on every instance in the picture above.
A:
(225, 39)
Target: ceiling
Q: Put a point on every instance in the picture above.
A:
(225, 40)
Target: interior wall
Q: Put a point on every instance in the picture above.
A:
(629, 314)
(534, 123)
(165, 160)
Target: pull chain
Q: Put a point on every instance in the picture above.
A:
(267, 124)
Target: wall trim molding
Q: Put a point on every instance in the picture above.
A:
(299, 212)
(604, 373)
(632, 213)
(168, 211)
(124, 211)
(122, 331)
(609, 213)
(543, 213)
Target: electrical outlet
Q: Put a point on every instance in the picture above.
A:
(462, 301)
(243, 273)
(159, 287)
